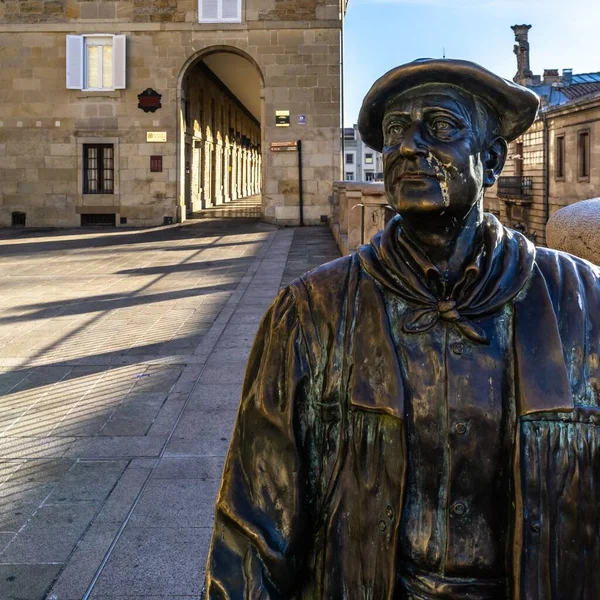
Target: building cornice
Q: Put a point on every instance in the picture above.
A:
(89, 26)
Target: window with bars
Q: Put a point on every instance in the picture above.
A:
(98, 169)
(583, 154)
(559, 157)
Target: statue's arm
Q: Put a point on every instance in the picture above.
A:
(260, 521)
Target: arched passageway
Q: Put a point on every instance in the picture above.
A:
(221, 141)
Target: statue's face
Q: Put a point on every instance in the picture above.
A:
(433, 159)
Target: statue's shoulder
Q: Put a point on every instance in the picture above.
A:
(558, 265)
(330, 276)
(325, 288)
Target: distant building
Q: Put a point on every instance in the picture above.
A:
(361, 163)
(557, 161)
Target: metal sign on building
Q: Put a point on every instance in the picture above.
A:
(282, 118)
(156, 136)
(284, 146)
(156, 164)
(149, 100)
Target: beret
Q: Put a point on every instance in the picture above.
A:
(516, 106)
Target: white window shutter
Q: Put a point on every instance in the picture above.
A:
(75, 56)
(209, 10)
(231, 10)
(119, 62)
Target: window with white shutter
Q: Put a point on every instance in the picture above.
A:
(75, 62)
(220, 11)
(96, 62)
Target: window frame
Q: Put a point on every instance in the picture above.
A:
(369, 158)
(77, 72)
(581, 160)
(220, 18)
(352, 157)
(349, 176)
(100, 168)
(559, 165)
(97, 37)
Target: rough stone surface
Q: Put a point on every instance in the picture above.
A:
(289, 10)
(576, 229)
(157, 11)
(33, 11)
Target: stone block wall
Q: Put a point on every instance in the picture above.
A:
(43, 125)
(32, 11)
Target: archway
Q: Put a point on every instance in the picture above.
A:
(221, 135)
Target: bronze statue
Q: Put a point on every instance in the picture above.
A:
(420, 419)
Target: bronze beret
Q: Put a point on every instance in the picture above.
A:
(516, 106)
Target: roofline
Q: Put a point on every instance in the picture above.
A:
(556, 110)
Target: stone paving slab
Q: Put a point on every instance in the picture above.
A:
(122, 355)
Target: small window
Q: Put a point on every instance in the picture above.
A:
(583, 154)
(349, 176)
(369, 176)
(559, 157)
(98, 169)
(368, 159)
(220, 11)
(518, 159)
(96, 62)
(349, 159)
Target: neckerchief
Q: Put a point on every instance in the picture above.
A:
(497, 269)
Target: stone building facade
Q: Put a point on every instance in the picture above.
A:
(557, 161)
(76, 148)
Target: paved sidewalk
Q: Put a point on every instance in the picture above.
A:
(121, 360)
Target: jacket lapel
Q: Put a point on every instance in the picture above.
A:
(376, 378)
(541, 374)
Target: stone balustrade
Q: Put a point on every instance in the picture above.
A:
(358, 211)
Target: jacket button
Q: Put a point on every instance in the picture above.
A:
(458, 348)
(389, 512)
(460, 428)
(382, 526)
(535, 527)
(459, 509)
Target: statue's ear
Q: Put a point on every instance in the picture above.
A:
(494, 159)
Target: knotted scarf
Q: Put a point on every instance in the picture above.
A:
(496, 271)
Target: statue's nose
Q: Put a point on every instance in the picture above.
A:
(412, 143)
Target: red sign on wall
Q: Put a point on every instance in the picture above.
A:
(156, 164)
(149, 100)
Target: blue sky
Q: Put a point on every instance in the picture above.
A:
(381, 34)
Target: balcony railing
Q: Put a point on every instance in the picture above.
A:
(514, 187)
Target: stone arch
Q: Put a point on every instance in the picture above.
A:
(184, 182)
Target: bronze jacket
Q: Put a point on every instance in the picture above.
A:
(314, 481)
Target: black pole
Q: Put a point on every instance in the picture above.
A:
(300, 191)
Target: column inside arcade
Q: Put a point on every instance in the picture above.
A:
(225, 161)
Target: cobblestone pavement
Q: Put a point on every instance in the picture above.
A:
(121, 359)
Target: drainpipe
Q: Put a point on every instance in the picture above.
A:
(546, 172)
(342, 15)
